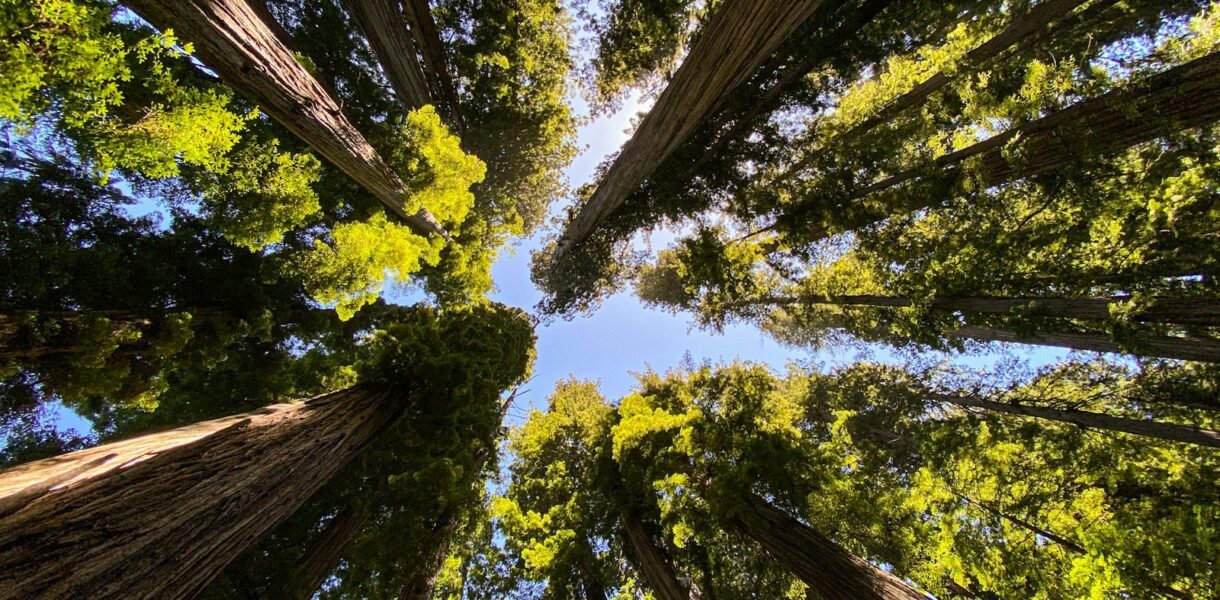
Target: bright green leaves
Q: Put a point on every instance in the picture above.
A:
(637, 41)
(349, 269)
(60, 45)
(263, 194)
(437, 171)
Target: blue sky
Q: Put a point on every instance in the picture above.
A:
(622, 336)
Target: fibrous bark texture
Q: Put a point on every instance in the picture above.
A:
(159, 516)
(324, 552)
(432, 49)
(383, 25)
(740, 36)
(833, 572)
(231, 39)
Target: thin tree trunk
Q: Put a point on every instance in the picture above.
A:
(1154, 429)
(1159, 346)
(739, 37)
(1031, 24)
(159, 516)
(833, 572)
(322, 556)
(1067, 544)
(421, 577)
(1165, 310)
(419, 15)
(1181, 98)
(654, 562)
(231, 39)
(383, 25)
(589, 580)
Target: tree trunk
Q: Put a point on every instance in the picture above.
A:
(231, 39)
(769, 99)
(739, 37)
(1181, 98)
(833, 572)
(159, 516)
(589, 580)
(654, 562)
(428, 40)
(1165, 310)
(1031, 24)
(1154, 429)
(322, 556)
(421, 577)
(383, 25)
(1159, 346)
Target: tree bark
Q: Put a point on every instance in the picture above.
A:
(159, 516)
(1153, 429)
(231, 39)
(769, 99)
(428, 40)
(833, 572)
(1159, 346)
(739, 37)
(1181, 98)
(383, 25)
(589, 581)
(324, 553)
(654, 562)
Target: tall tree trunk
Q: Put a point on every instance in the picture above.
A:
(654, 562)
(590, 582)
(322, 556)
(769, 99)
(1165, 310)
(1154, 429)
(421, 577)
(1183, 97)
(739, 37)
(1159, 346)
(383, 25)
(1029, 25)
(833, 572)
(231, 39)
(159, 516)
(428, 40)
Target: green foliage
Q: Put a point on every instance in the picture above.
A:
(637, 41)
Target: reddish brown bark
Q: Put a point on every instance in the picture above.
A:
(832, 572)
(159, 516)
(739, 37)
(432, 49)
(322, 556)
(655, 563)
(230, 38)
(384, 27)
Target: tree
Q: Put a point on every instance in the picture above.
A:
(383, 25)
(741, 167)
(298, 447)
(737, 39)
(230, 38)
